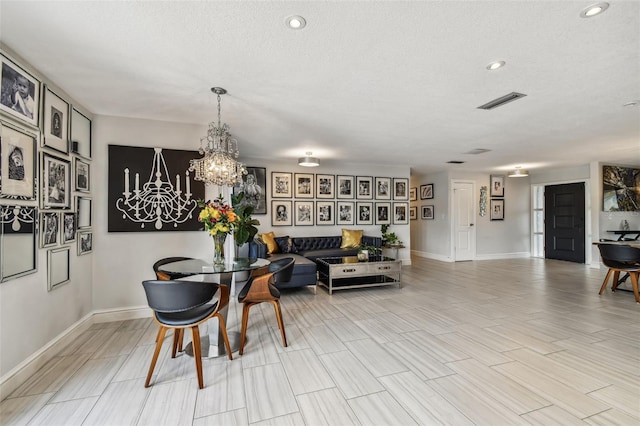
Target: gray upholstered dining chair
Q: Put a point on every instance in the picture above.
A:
(185, 304)
(262, 288)
(164, 276)
(620, 258)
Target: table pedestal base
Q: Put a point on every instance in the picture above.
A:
(215, 349)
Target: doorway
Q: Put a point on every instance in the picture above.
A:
(463, 221)
(564, 222)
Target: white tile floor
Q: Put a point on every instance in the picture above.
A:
(523, 341)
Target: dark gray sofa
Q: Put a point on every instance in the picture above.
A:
(305, 251)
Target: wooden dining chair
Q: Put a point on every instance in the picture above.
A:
(620, 258)
(165, 276)
(262, 288)
(179, 305)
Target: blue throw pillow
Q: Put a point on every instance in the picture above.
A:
(286, 244)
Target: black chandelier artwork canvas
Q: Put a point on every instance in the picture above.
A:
(151, 190)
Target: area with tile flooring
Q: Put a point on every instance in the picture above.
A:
(500, 342)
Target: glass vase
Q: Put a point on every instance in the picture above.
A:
(218, 247)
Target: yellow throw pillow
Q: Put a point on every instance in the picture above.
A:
(270, 240)
(351, 238)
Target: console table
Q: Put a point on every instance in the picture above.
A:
(339, 273)
(622, 233)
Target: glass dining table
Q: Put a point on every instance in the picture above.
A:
(211, 341)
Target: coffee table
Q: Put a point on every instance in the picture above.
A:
(340, 273)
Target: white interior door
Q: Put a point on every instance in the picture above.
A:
(464, 231)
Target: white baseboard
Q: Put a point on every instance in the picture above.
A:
(122, 314)
(20, 373)
(497, 256)
(433, 256)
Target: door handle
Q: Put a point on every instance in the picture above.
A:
(471, 224)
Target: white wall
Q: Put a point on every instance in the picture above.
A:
(30, 315)
(125, 259)
(494, 239)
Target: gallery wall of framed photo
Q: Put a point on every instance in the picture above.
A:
(45, 175)
(320, 199)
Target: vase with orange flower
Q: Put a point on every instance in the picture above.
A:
(218, 219)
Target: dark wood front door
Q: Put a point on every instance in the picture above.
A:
(564, 222)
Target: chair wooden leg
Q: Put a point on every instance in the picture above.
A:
(604, 283)
(243, 328)
(616, 278)
(180, 340)
(197, 354)
(223, 330)
(177, 337)
(634, 283)
(159, 340)
(276, 306)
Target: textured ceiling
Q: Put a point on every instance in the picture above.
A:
(375, 82)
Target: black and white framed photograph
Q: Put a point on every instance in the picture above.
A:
(281, 213)
(496, 209)
(49, 229)
(427, 212)
(19, 92)
(56, 182)
(413, 212)
(400, 188)
(254, 186)
(426, 191)
(497, 186)
(400, 213)
(85, 242)
(346, 186)
(325, 214)
(58, 267)
(325, 186)
(304, 213)
(383, 188)
(364, 213)
(364, 187)
(83, 177)
(18, 241)
(18, 179)
(383, 213)
(69, 227)
(304, 185)
(83, 212)
(56, 122)
(346, 213)
(413, 194)
(281, 185)
(80, 134)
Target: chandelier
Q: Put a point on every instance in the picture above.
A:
(219, 166)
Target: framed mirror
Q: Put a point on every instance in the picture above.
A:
(58, 267)
(80, 134)
(18, 241)
(83, 210)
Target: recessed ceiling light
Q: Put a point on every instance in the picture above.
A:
(495, 65)
(594, 9)
(632, 104)
(296, 22)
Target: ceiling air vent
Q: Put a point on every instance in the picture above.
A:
(502, 100)
(477, 151)
(455, 162)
